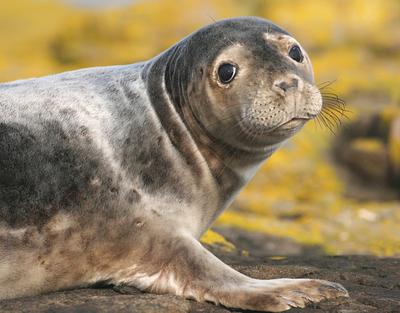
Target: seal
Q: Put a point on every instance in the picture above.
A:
(112, 174)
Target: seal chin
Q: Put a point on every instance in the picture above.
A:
(262, 136)
(293, 123)
(286, 129)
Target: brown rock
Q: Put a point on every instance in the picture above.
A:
(368, 157)
(373, 284)
(394, 150)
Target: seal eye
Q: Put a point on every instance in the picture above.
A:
(226, 73)
(296, 54)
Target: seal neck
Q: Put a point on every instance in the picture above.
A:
(231, 167)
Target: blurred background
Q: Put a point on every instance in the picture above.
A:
(328, 191)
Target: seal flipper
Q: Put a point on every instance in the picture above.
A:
(193, 272)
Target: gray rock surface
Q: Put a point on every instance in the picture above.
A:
(373, 283)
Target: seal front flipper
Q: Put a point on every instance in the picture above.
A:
(189, 270)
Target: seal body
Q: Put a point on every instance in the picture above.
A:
(112, 174)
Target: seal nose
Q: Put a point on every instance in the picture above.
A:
(287, 84)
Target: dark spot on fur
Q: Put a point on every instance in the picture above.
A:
(133, 196)
(155, 212)
(144, 158)
(84, 130)
(114, 190)
(48, 170)
(147, 180)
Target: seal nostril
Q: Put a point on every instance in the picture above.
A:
(286, 85)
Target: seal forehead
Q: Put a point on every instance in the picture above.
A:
(247, 24)
(279, 38)
(247, 31)
(282, 41)
(233, 53)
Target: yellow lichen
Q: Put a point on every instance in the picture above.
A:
(213, 238)
(277, 258)
(370, 145)
(389, 113)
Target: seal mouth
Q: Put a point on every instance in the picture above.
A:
(292, 123)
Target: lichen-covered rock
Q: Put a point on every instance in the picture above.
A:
(368, 157)
(369, 147)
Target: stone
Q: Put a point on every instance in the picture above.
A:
(394, 151)
(373, 284)
(368, 157)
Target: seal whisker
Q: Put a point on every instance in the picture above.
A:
(332, 100)
(333, 108)
(327, 122)
(326, 84)
(342, 112)
(333, 117)
(318, 122)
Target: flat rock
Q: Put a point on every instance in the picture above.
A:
(373, 283)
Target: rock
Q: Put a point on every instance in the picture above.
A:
(367, 125)
(368, 157)
(106, 301)
(257, 245)
(394, 151)
(373, 283)
(367, 151)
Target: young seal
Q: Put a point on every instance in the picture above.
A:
(113, 173)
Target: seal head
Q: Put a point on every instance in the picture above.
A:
(246, 82)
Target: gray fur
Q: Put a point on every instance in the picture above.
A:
(113, 173)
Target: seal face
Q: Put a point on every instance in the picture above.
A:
(259, 85)
(113, 173)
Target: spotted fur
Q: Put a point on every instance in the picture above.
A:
(112, 174)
